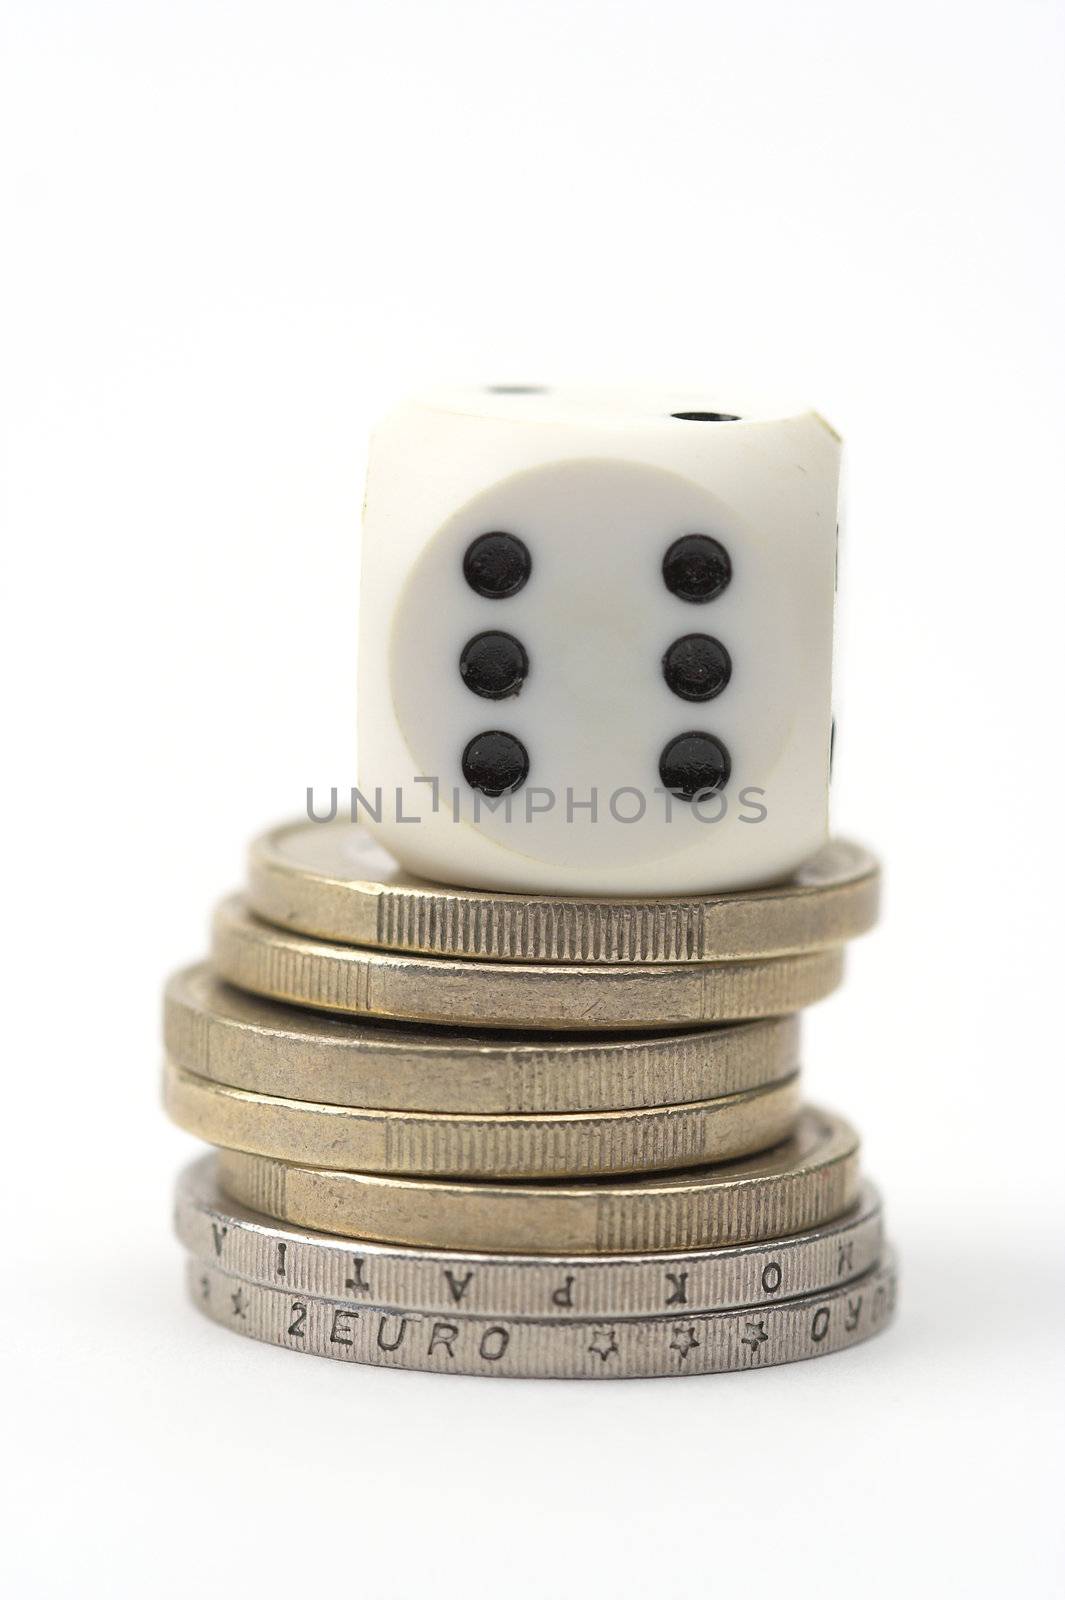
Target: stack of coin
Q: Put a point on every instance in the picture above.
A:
(478, 1132)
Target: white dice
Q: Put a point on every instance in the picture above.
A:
(596, 640)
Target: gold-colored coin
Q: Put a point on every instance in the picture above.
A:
(247, 1042)
(577, 1145)
(214, 1228)
(809, 1179)
(333, 881)
(287, 966)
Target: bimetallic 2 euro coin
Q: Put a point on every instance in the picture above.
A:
(632, 1347)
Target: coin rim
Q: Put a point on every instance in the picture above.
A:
(434, 1144)
(650, 1212)
(478, 1072)
(410, 914)
(208, 1225)
(255, 955)
(545, 1348)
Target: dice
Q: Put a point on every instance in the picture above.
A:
(596, 640)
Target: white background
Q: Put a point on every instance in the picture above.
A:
(236, 231)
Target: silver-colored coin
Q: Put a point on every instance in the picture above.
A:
(250, 1245)
(632, 1347)
(810, 1179)
(578, 1144)
(255, 955)
(266, 1047)
(333, 881)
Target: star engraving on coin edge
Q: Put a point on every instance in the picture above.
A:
(604, 1343)
(755, 1336)
(684, 1341)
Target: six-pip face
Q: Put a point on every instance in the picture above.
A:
(611, 674)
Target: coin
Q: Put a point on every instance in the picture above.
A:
(575, 1144)
(810, 1179)
(630, 1347)
(333, 881)
(288, 966)
(249, 1245)
(218, 1032)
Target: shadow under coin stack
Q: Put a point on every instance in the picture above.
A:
(524, 1135)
